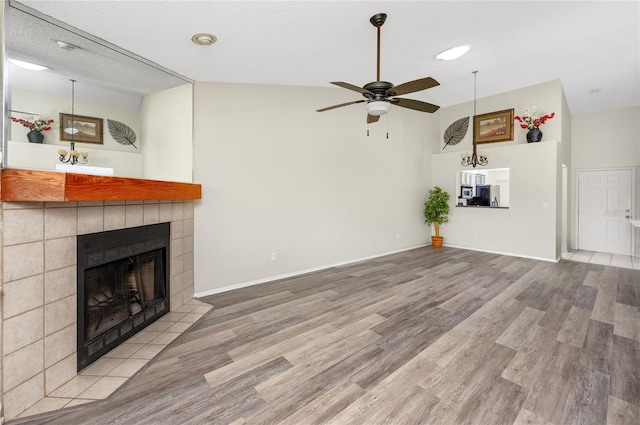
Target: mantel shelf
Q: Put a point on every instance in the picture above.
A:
(54, 186)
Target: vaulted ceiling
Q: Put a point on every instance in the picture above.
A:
(593, 48)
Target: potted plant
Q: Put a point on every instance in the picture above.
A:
(436, 210)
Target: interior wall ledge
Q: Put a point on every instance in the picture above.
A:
(20, 185)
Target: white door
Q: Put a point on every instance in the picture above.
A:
(604, 210)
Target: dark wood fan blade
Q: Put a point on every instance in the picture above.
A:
(340, 105)
(372, 118)
(352, 87)
(416, 105)
(412, 86)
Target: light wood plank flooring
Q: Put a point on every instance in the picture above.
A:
(421, 337)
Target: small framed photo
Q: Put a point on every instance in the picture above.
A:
(493, 127)
(83, 129)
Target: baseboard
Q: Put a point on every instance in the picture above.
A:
(297, 273)
(508, 254)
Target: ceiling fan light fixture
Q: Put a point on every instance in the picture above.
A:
(453, 53)
(378, 107)
(381, 94)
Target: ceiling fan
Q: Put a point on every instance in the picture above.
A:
(380, 95)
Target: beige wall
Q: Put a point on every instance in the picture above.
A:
(125, 160)
(163, 126)
(315, 190)
(45, 157)
(310, 187)
(606, 139)
(527, 228)
(609, 139)
(565, 178)
(547, 96)
(167, 135)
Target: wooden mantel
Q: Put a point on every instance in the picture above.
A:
(55, 186)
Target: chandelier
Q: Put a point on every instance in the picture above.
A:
(474, 158)
(74, 157)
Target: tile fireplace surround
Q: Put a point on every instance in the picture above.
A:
(38, 315)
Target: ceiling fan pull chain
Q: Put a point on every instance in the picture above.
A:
(388, 126)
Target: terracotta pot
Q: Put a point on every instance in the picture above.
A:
(436, 241)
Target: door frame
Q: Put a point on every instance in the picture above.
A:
(564, 211)
(577, 200)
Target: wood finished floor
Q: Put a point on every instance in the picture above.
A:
(421, 337)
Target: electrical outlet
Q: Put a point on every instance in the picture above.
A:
(273, 256)
(398, 236)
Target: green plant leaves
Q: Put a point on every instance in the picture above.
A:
(436, 208)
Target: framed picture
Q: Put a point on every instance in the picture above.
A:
(84, 129)
(493, 127)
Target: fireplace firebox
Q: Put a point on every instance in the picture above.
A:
(123, 286)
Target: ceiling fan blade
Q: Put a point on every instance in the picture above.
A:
(352, 87)
(416, 105)
(372, 118)
(412, 86)
(340, 105)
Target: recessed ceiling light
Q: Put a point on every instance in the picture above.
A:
(204, 39)
(28, 65)
(453, 53)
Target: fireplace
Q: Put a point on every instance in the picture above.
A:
(123, 286)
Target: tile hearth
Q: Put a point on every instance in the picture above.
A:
(38, 314)
(38, 253)
(103, 377)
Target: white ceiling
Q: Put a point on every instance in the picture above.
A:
(586, 45)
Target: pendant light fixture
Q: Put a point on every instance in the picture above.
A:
(74, 157)
(474, 159)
